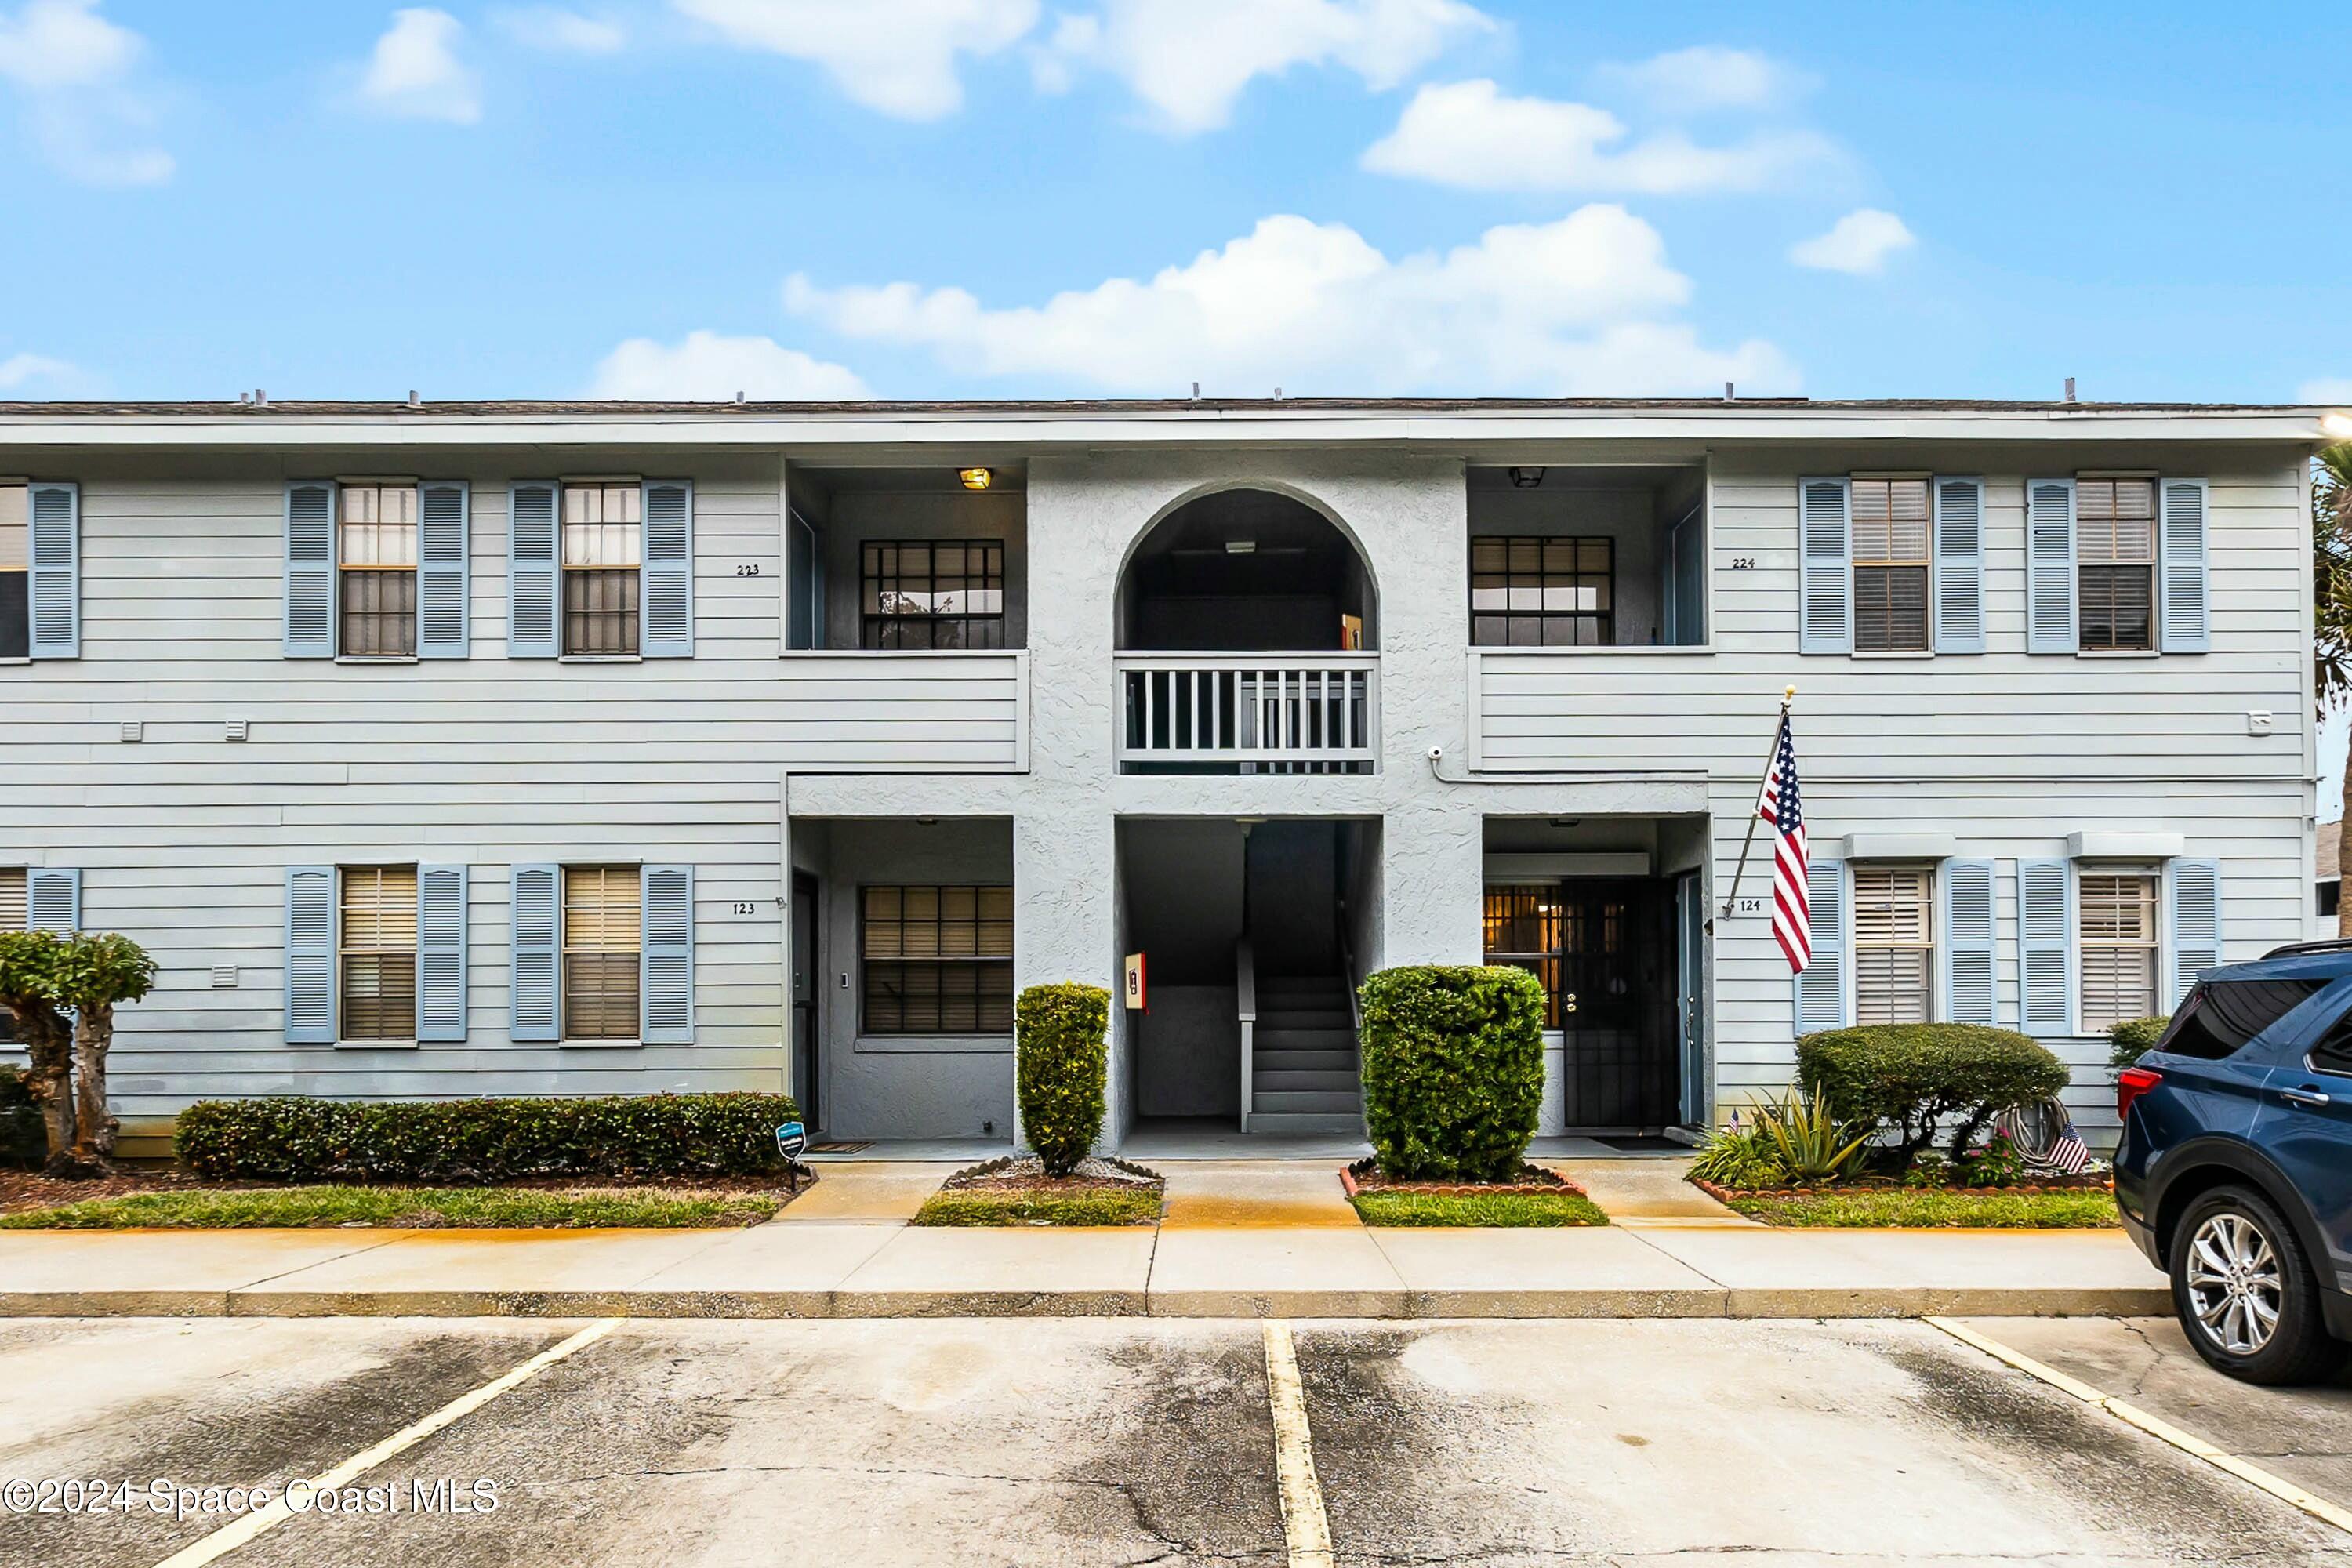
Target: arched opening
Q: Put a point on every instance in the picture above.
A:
(1249, 571)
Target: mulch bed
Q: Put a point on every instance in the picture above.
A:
(1364, 1176)
(2040, 1184)
(1026, 1173)
(21, 1190)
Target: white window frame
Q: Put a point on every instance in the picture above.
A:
(1856, 945)
(344, 950)
(1854, 564)
(2155, 874)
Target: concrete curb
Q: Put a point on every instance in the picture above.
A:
(1908, 1302)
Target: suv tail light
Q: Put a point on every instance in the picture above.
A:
(2130, 1084)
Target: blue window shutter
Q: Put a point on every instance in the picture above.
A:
(1969, 993)
(443, 574)
(311, 955)
(1821, 985)
(440, 954)
(2192, 922)
(55, 590)
(2183, 625)
(1959, 566)
(52, 898)
(1825, 572)
(666, 582)
(532, 1010)
(310, 569)
(532, 538)
(667, 956)
(2050, 566)
(2045, 947)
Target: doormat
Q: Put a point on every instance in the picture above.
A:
(848, 1148)
(1644, 1145)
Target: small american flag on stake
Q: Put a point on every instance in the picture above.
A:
(1780, 805)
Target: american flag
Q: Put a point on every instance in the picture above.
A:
(1780, 805)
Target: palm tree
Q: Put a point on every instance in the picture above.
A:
(2331, 556)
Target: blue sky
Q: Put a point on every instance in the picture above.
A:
(1069, 197)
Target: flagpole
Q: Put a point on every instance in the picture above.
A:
(1771, 755)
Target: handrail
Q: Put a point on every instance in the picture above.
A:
(1245, 993)
(1336, 659)
(1287, 711)
(1355, 1003)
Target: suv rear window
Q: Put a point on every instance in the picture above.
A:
(2220, 1015)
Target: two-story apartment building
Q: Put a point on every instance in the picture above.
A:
(557, 748)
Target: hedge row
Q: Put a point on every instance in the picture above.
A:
(300, 1139)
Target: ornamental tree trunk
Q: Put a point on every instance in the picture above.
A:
(49, 1049)
(93, 1143)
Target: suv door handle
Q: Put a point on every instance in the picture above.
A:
(2304, 1096)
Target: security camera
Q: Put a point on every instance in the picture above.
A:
(1436, 753)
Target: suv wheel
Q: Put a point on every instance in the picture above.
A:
(2244, 1293)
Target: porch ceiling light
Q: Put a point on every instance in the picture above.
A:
(1241, 546)
(975, 478)
(1526, 479)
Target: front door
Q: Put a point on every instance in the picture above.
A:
(1620, 1070)
(1690, 1010)
(806, 912)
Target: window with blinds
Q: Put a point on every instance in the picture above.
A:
(376, 956)
(1894, 944)
(603, 548)
(941, 592)
(2117, 939)
(603, 927)
(1542, 592)
(936, 960)
(16, 574)
(376, 544)
(12, 917)
(1525, 926)
(2115, 552)
(1891, 549)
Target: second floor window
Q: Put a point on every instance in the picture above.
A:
(1542, 592)
(604, 927)
(931, 594)
(376, 933)
(377, 543)
(2115, 551)
(1890, 565)
(2118, 942)
(16, 577)
(1894, 944)
(603, 544)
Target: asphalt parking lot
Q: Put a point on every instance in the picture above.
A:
(1147, 1441)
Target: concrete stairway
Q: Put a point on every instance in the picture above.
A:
(1303, 1076)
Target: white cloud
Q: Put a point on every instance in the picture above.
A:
(74, 70)
(1191, 59)
(2334, 390)
(1581, 306)
(565, 32)
(895, 56)
(707, 367)
(1858, 243)
(1471, 134)
(415, 74)
(19, 372)
(1691, 80)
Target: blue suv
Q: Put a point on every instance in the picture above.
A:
(2234, 1174)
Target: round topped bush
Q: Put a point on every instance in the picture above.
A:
(1453, 1070)
(1910, 1077)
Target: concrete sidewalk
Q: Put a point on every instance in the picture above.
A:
(856, 1268)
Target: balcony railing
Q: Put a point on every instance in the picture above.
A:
(1251, 713)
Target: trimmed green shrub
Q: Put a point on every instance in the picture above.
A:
(1453, 1070)
(1060, 1059)
(2134, 1038)
(1911, 1077)
(1744, 1157)
(299, 1140)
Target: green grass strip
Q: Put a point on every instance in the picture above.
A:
(1495, 1209)
(981, 1206)
(471, 1208)
(2088, 1209)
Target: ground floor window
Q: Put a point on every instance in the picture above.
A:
(1894, 944)
(602, 926)
(376, 958)
(936, 960)
(13, 916)
(2117, 938)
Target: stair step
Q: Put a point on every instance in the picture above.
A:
(1351, 1124)
(1303, 1018)
(1322, 1101)
(1263, 1060)
(1303, 1039)
(1336, 1080)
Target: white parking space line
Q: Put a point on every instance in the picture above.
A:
(2319, 1508)
(236, 1533)
(1305, 1530)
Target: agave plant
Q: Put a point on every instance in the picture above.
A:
(1741, 1157)
(1811, 1141)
